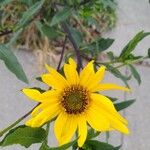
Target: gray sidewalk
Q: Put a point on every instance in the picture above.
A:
(133, 17)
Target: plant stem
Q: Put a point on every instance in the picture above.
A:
(119, 66)
(62, 53)
(70, 37)
(66, 29)
(16, 122)
(6, 32)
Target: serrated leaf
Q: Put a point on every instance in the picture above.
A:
(12, 63)
(132, 44)
(122, 105)
(63, 147)
(61, 16)
(28, 14)
(24, 136)
(97, 145)
(135, 74)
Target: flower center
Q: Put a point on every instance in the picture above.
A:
(74, 99)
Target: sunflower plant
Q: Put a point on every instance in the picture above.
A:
(73, 100)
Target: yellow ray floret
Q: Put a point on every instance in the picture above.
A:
(75, 102)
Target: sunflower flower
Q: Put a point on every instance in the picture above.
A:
(76, 102)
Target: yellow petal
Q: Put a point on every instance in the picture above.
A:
(53, 81)
(82, 130)
(96, 120)
(43, 106)
(44, 116)
(72, 63)
(71, 72)
(65, 127)
(29, 122)
(106, 105)
(56, 74)
(33, 94)
(59, 125)
(117, 125)
(86, 74)
(50, 96)
(110, 86)
(98, 77)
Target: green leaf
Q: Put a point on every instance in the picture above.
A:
(135, 73)
(39, 89)
(77, 36)
(63, 147)
(149, 53)
(39, 79)
(96, 145)
(50, 32)
(24, 136)
(113, 99)
(118, 74)
(28, 14)
(104, 44)
(92, 133)
(132, 44)
(124, 104)
(61, 16)
(12, 63)
(97, 46)
(111, 55)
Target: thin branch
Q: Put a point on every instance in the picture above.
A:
(70, 37)
(2, 33)
(66, 29)
(62, 53)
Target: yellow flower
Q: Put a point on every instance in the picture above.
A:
(75, 101)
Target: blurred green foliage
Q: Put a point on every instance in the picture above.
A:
(38, 19)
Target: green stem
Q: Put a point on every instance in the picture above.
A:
(137, 60)
(131, 62)
(110, 62)
(16, 122)
(119, 66)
